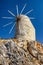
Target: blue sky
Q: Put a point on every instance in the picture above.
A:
(36, 5)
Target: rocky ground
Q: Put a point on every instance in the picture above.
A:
(21, 53)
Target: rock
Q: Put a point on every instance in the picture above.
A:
(36, 50)
(21, 53)
(40, 57)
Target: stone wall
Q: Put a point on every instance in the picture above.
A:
(25, 29)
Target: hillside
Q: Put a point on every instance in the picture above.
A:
(14, 52)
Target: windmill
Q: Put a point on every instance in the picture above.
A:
(13, 15)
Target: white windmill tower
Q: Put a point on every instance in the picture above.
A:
(24, 28)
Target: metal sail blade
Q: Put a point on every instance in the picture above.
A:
(12, 28)
(7, 17)
(29, 12)
(17, 9)
(11, 13)
(7, 24)
(31, 17)
(23, 9)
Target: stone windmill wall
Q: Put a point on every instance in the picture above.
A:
(25, 29)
